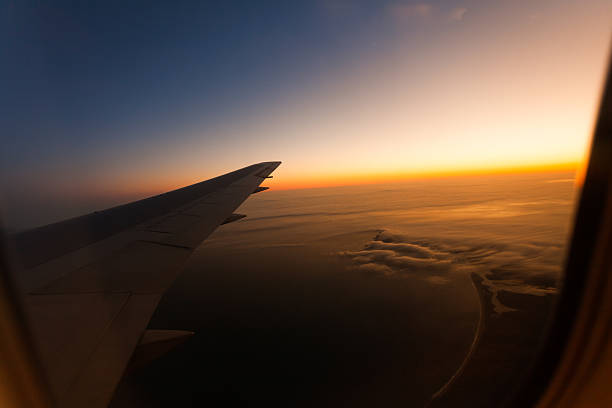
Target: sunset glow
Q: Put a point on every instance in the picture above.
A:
(367, 92)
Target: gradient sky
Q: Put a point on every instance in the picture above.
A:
(106, 99)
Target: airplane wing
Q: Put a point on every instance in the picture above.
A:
(93, 282)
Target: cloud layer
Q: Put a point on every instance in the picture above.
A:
(531, 268)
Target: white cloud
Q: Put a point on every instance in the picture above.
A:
(532, 268)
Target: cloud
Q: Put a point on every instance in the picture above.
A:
(386, 254)
(406, 12)
(375, 268)
(457, 14)
(398, 262)
(402, 248)
(527, 267)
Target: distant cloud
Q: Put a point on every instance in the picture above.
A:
(530, 268)
(375, 268)
(399, 262)
(457, 14)
(403, 12)
(564, 180)
(400, 258)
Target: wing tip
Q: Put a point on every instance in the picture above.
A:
(271, 163)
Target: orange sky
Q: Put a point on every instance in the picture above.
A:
(341, 180)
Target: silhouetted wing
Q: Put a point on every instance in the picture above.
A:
(93, 282)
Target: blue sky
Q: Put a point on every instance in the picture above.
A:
(85, 75)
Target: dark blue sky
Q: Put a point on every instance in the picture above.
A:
(86, 73)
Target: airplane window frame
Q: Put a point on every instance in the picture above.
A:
(585, 284)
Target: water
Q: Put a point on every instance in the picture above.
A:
(356, 296)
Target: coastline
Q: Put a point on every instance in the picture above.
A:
(502, 352)
(476, 283)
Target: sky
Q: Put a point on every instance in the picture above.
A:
(109, 101)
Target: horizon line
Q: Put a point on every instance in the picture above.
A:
(577, 167)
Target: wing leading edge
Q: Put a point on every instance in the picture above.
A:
(93, 282)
